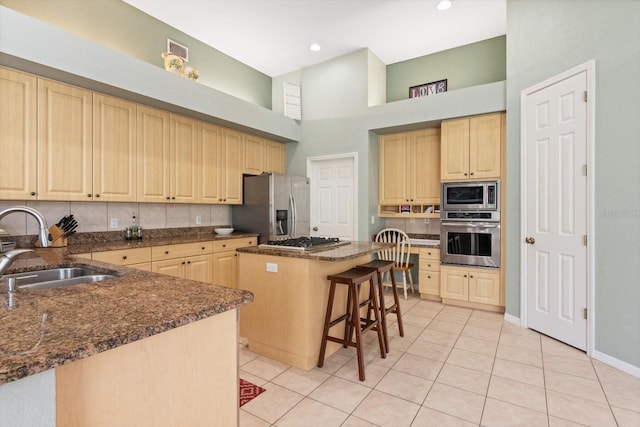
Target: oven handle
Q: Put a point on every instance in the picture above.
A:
(472, 224)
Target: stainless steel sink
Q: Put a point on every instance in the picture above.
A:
(58, 277)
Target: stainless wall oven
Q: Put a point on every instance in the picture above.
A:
(473, 195)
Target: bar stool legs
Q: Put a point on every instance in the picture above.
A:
(353, 278)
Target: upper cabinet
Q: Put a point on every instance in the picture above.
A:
(18, 127)
(183, 160)
(262, 155)
(471, 147)
(65, 149)
(409, 172)
(274, 157)
(153, 155)
(220, 163)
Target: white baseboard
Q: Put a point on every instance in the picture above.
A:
(616, 363)
(512, 319)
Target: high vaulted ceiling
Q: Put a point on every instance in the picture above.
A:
(273, 36)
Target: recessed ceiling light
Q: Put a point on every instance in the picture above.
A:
(315, 47)
(443, 4)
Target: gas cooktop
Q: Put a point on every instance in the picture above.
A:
(308, 244)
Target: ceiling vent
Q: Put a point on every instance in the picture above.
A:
(178, 49)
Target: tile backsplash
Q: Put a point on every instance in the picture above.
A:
(97, 216)
(414, 225)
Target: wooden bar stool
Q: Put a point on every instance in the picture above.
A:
(353, 278)
(383, 266)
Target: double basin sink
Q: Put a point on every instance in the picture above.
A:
(58, 277)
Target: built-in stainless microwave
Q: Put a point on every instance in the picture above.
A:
(470, 196)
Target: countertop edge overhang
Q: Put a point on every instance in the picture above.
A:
(87, 319)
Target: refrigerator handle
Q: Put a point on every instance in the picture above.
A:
(292, 204)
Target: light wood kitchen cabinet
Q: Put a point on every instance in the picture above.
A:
(274, 157)
(253, 155)
(139, 258)
(471, 147)
(225, 260)
(187, 261)
(230, 166)
(429, 273)
(409, 172)
(183, 160)
(65, 149)
(18, 135)
(152, 155)
(114, 149)
(474, 285)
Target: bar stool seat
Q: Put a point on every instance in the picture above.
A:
(383, 266)
(353, 278)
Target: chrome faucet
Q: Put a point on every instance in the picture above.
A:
(7, 258)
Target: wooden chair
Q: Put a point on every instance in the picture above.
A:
(399, 253)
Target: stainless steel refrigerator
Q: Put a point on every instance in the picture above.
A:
(275, 206)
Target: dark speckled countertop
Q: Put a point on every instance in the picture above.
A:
(86, 319)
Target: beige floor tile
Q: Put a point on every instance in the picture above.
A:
(386, 410)
(411, 331)
(575, 386)
(340, 394)
(471, 360)
(418, 366)
(245, 355)
(423, 312)
(527, 342)
(252, 378)
(503, 414)
(518, 393)
(453, 318)
(428, 417)
(429, 350)
(353, 421)
(520, 355)
(372, 373)
(456, 402)
(273, 403)
(444, 326)
(429, 305)
(626, 418)
(405, 386)
(485, 323)
(623, 397)
(310, 412)
(489, 315)
(557, 348)
(518, 372)
(415, 320)
(301, 381)
(334, 362)
(477, 346)
(457, 310)
(264, 367)
(438, 337)
(510, 328)
(579, 410)
(248, 420)
(464, 378)
(481, 333)
(610, 375)
(560, 422)
(400, 343)
(579, 368)
(387, 362)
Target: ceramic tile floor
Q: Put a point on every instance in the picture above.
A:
(454, 367)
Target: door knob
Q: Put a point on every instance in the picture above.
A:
(530, 240)
(315, 228)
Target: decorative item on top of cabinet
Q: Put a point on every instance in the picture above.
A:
(429, 273)
(471, 287)
(410, 174)
(472, 147)
(18, 135)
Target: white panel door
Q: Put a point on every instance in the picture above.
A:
(333, 197)
(555, 206)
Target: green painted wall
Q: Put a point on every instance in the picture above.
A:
(545, 38)
(119, 26)
(464, 66)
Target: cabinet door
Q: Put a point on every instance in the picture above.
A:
(253, 152)
(225, 269)
(429, 282)
(153, 155)
(170, 267)
(65, 149)
(394, 169)
(114, 149)
(18, 127)
(424, 156)
(183, 160)
(484, 287)
(231, 167)
(199, 268)
(485, 135)
(210, 149)
(274, 157)
(454, 283)
(454, 151)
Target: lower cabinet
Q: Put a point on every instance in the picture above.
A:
(225, 269)
(474, 285)
(139, 258)
(199, 268)
(429, 273)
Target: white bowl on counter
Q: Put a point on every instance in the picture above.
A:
(223, 231)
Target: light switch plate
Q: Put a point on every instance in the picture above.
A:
(113, 223)
(198, 220)
(272, 268)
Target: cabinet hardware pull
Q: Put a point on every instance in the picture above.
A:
(124, 257)
(33, 193)
(173, 197)
(465, 174)
(471, 174)
(203, 248)
(166, 252)
(188, 262)
(89, 195)
(470, 276)
(97, 195)
(428, 277)
(183, 263)
(465, 275)
(168, 198)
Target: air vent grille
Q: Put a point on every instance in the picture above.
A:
(178, 49)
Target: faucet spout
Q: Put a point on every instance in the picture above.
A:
(43, 233)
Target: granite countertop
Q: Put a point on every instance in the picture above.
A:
(86, 319)
(352, 250)
(425, 240)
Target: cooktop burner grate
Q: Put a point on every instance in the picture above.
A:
(306, 243)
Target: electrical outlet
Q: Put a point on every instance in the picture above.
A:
(373, 219)
(114, 223)
(272, 268)
(198, 220)
(426, 220)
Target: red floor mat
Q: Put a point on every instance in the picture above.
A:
(248, 391)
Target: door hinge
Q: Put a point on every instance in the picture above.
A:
(584, 240)
(585, 96)
(584, 170)
(584, 312)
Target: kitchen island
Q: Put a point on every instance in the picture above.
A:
(137, 349)
(290, 291)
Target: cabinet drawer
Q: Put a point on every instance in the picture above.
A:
(159, 253)
(233, 244)
(429, 253)
(124, 256)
